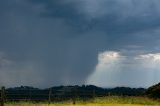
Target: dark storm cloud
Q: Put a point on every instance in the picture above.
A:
(44, 49)
(58, 41)
(117, 19)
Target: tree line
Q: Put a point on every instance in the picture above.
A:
(60, 93)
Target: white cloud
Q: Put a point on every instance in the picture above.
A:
(114, 69)
(107, 59)
(108, 64)
(152, 57)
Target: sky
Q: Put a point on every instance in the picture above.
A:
(107, 43)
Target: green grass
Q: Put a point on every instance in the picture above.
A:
(127, 100)
(103, 101)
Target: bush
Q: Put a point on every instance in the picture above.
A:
(153, 91)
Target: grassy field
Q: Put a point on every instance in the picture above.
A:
(27, 104)
(105, 101)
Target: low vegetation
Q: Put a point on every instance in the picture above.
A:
(102, 101)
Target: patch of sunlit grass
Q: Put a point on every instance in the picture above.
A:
(102, 101)
(29, 104)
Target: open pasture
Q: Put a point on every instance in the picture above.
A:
(103, 101)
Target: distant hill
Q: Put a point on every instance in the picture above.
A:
(59, 93)
(153, 91)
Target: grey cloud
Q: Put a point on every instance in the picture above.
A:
(118, 18)
(62, 39)
(51, 44)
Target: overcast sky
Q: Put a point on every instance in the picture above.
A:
(107, 43)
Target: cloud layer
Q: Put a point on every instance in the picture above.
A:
(114, 69)
(58, 41)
